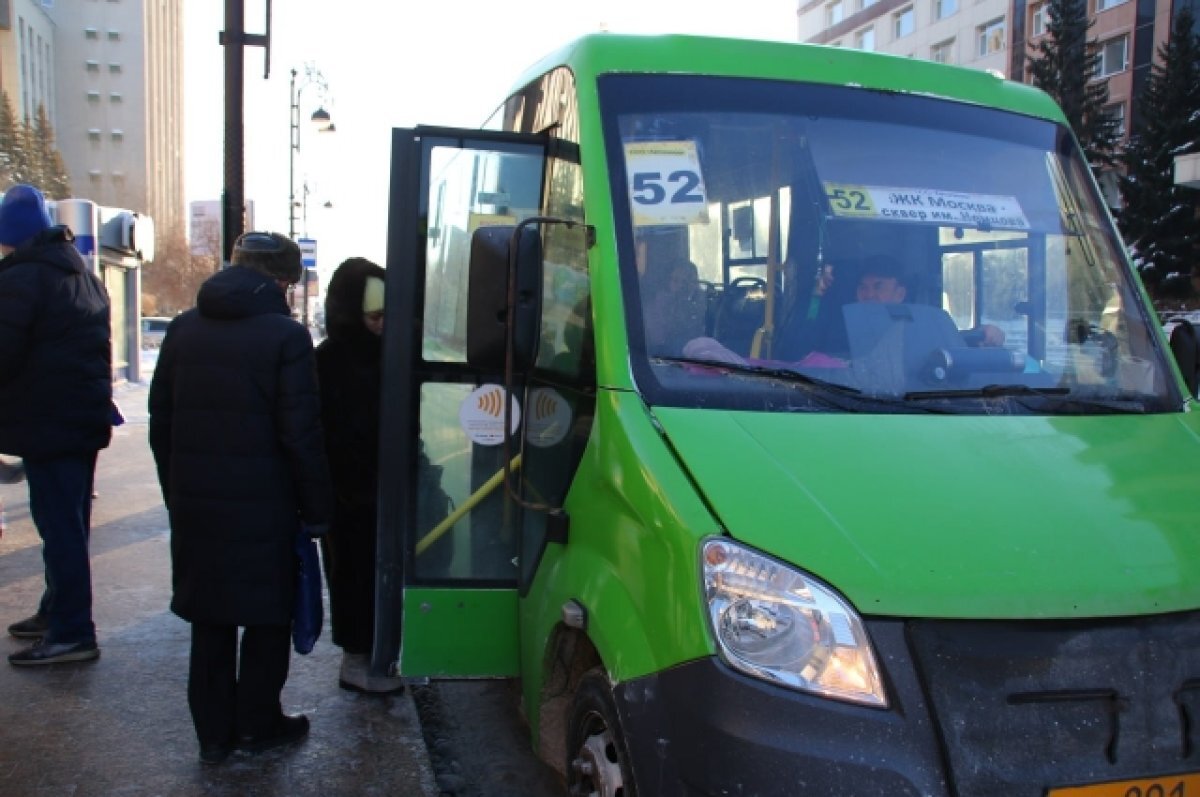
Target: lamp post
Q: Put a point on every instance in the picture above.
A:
(323, 123)
(304, 209)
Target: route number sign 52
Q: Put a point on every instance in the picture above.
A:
(666, 184)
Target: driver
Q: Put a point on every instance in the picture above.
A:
(881, 282)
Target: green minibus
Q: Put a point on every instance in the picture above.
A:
(788, 420)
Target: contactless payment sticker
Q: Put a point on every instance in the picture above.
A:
(549, 417)
(481, 415)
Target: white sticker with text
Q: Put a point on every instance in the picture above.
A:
(549, 417)
(986, 211)
(666, 185)
(481, 415)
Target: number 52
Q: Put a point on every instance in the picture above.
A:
(649, 188)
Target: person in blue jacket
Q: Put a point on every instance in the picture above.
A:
(55, 412)
(235, 428)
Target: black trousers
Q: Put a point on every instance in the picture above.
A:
(60, 500)
(228, 697)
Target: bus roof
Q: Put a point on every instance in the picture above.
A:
(594, 55)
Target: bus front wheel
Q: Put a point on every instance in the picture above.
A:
(597, 757)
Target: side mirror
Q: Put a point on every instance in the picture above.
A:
(488, 302)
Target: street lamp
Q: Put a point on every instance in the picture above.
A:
(304, 209)
(323, 123)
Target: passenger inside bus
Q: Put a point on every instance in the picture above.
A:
(881, 281)
(674, 305)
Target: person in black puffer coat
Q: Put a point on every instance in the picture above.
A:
(348, 369)
(236, 433)
(55, 411)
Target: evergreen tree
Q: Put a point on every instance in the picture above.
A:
(51, 171)
(1063, 64)
(28, 154)
(14, 166)
(1159, 218)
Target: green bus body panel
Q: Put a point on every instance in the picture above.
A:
(631, 556)
(430, 650)
(963, 516)
(598, 54)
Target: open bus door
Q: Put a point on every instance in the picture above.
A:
(448, 539)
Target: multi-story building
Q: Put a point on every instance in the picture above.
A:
(110, 75)
(963, 32)
(27, 72)
(1128, 34)
(995, 34)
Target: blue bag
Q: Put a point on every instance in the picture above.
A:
(309, 612)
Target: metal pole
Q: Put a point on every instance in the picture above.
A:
(293, 145)
(233, 199)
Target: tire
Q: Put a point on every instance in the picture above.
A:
(598, 763)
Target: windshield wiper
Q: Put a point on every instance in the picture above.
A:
(834, 394)
(987, 391)
(1059, 395)
(773, 372)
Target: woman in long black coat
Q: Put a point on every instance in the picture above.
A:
(236, 435)
(348, 369)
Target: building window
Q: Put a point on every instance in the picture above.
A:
(91, 33)
(944, 8)
(114, 68)
(115, 96)
(118, 135)
(1113, 56)
(1104, 5)
(834, 13)
(865, 39)
(903, 22)
(942, 52)
(94, 174)
(1117, 114)
(991, 37)
(91, 66)
(1037, 21)
(114, 35)
(93, 96)
(94, 133)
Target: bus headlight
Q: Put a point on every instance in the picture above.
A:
(778, 624)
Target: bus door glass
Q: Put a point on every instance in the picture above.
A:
(447, 528)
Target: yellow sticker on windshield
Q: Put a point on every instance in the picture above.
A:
(666, 185)
(925, 205)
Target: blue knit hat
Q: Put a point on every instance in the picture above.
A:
(23, 215)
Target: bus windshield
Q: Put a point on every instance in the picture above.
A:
(803, 246)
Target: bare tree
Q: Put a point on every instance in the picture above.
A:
(170, 282)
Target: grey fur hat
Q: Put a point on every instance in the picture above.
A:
(269, 253)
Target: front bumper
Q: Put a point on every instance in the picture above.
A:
(978, 709)
(704, 729)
